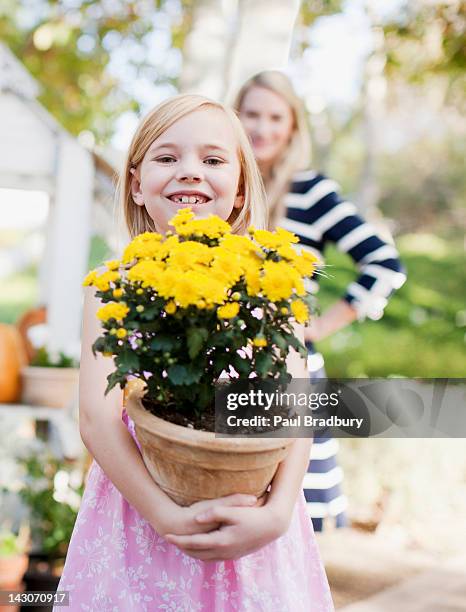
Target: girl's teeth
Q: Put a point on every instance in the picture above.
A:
(185, 199)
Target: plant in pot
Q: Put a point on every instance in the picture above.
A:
(51, 489)
(50, 379)
(13, 561)
(179, 311)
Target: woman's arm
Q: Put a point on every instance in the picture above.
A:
(110, 443)
(338, 316)
(320, 216)
(245, 530)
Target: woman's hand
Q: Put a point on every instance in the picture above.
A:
(182, 521)
(242, 531)
(336, 317)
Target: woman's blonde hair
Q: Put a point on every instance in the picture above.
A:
(298, 153)
(154, 124)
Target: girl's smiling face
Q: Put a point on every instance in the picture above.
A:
(195, 164)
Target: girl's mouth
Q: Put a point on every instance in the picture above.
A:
(193, 199)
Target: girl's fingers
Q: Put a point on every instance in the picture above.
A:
(198, 541)
(237, 499)
(218, 514)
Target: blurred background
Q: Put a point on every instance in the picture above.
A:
(383, 84)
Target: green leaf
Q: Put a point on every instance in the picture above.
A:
(113, 379)
(264, 362)
(177, 374)
(184, 375)
(196, 336)
(163, 342)
(242, 366)
(279, 340)
(127, 360)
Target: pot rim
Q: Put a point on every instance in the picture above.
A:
(52, 369)
(187, 436)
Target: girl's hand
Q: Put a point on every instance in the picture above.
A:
(242, 532)
(182, 521)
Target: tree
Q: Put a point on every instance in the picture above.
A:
(68, 48)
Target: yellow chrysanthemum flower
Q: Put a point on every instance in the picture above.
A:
(121, 333)
(117, 293)
(305, 263)
(147, 272)
(277, 280)
(300, 311)
(103, 281)
(165, 282)
(113, 264)
(166, 247)
(112, 310)
(253, 282)
(259, 341)
(90, 278)
(286, 236)
(188, 254)
(144, 246)
(212, 227)
(228, 311)
(274, 240)
(241, 245)
(170, 307)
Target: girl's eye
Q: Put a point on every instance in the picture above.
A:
(165, 159)
(214, 161)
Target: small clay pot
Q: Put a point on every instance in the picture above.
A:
(49, 387)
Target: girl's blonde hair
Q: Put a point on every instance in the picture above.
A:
(298, 153)
(159, 119)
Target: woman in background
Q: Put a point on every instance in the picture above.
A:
(307, 203)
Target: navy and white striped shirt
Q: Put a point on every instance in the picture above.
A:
(318, 215)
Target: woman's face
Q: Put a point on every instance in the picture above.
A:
(268, 121)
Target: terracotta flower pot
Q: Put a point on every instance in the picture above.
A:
(192, 465)
(12, 570)
(51, 387)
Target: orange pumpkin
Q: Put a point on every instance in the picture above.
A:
(12, 359)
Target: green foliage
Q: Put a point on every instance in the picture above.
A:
(9, 545)
(68, 49)
(44, 359)
(422, 333)
(429, 34)
(52, 490)
(311, 10)
(177, 318)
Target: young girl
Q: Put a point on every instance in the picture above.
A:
(133, 548)
(307, 203)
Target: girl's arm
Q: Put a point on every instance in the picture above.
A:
(110, 443)
(245, 530)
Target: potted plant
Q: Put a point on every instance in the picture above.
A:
(178, 311)
(51, 489)
(50, 379)
(13, 562)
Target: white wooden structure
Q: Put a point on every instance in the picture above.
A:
(36, 153)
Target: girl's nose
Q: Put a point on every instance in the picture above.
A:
(190, 173)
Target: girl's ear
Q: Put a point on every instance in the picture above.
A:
(136, 191)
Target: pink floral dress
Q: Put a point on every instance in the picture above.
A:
(116, 562)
